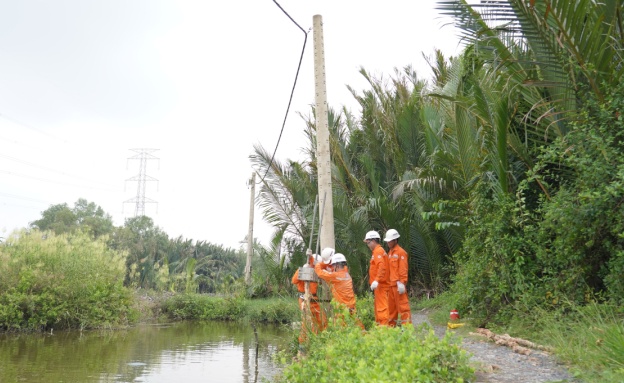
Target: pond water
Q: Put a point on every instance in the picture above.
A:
(179, 352)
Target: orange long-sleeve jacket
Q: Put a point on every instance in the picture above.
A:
(378, 270)
(341, 284)
(398, 265)
(301, 284)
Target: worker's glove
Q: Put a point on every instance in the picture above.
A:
(374, 285)
(401, 288)
(309, 252)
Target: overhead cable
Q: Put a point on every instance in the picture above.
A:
(305, 40)
(52, 170)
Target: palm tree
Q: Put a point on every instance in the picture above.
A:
(545, 51)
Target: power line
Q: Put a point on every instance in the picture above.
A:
(305, 40)
(8, 118)
(54, 182)
(61, 140)
(24, 198)
(13, 141)
(51, 170)
(21, 206)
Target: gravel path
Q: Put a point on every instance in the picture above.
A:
(499, 364)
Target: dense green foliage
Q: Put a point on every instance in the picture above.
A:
(204, 307)
(382, 354)
(523, 251)
(580, 233)
(65, 281)
(85, 216)
(154, 261)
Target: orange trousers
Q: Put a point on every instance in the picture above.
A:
(382, 309)
(398, 307)
(317, 323)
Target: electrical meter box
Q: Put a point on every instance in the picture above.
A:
(307, 274)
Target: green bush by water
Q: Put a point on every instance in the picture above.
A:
(65, 281)
(382, 354)
(207, 307)
(269, 310)
(273, 310)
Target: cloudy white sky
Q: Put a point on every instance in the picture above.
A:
(83, 82)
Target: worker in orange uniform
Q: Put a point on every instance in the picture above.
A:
(339, 280)
(399, 308)
(318, 317)
(378, 277)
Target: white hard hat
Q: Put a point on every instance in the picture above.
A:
(338, 257)
(372, 235)
(327, 254)
(391, 235)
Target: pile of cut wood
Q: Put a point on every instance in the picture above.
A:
(518, 345)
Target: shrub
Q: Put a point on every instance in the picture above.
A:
(206, 307)
(275, 310)
(203, 307)
(65, 281)
(496, 265)
(365, 307)
(347, 354)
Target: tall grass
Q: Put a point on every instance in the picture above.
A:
(65, 281)
(591, 339)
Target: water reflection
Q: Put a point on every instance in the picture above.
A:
(184, 352)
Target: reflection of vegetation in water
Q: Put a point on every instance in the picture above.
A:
(114, 355)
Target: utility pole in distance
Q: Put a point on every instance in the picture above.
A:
(322, 139)
(250, 232)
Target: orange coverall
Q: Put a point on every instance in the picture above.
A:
(398, 303)
(340, 283)
(378, 271)
(318, 317)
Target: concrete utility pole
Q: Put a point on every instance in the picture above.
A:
(322, 139)
(323, 158)
(250, 232)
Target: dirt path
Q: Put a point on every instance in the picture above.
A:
(499, 364)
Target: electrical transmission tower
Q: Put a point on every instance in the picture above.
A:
(143, 155)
